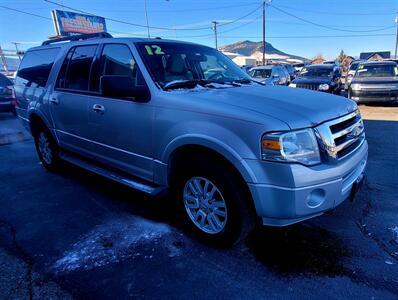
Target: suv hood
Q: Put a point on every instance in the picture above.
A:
(375, 80)
(298, 108)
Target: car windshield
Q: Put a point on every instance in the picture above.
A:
(261, 73)
(377, 70)
(170, 63)
(316, 72)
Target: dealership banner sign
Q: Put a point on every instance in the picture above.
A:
(69, 23)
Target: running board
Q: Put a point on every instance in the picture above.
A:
(121, 177)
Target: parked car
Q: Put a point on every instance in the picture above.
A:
(298, 66)
(230, 150)
(270, 75)
(246, 68)
(351, 71)
(7, 95)
(322, 77)
(375, 82)
(291, 70)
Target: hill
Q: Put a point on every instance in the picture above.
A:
(249, 48)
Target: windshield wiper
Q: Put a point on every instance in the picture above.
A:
(246, 81)
(188, 84)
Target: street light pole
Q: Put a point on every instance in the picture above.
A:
(264, 4)
(215, 33)
(396, 38)
(146, 18)
(16, 48)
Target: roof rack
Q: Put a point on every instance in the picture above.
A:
(99, 35)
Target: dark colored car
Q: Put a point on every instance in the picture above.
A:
(7, 95)
(375, 82)
(325, 78)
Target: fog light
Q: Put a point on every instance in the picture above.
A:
(316, 198)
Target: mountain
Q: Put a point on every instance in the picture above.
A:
(248, 48)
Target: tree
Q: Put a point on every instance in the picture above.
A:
(342, 57)
(318, 59)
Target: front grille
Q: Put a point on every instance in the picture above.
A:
(341, 136)
(313, 87)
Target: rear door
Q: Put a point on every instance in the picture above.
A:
(70, 99)
(120, 128)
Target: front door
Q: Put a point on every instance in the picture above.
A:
(121, 129)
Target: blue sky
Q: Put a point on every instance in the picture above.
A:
(336, 24)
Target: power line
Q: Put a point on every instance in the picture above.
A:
(156, 27)
(331, 13)
(125, 22)
(325, 26)
(242, 17)
(24, 12)
(312, 36)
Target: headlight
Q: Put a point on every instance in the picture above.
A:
(355, 87)
(293, 85)
(323, 87)
(295, 146)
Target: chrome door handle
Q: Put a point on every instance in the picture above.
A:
(54, 100)
(98, 108)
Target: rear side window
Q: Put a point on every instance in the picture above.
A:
(75, 71)
(35, 67)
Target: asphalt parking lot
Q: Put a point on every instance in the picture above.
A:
(74, 234)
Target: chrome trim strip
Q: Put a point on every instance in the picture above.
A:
(327, 139)
(358, 124)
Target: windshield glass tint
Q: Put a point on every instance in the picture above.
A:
(261, 73)
(168, 62)
(377, 70)
(315, 72)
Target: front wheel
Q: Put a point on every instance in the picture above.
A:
(213, 203)
(47, 148)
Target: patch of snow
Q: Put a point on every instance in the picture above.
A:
(389, 262)
(115, 241)
(395, 233)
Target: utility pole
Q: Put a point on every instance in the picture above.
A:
(396, 38)
(146, 18)
(16, 48)
(264, 5)
(215, 32)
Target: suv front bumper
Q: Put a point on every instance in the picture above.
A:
(312, 191)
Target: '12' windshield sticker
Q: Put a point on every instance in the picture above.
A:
(154, 49)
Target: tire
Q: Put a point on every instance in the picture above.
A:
(228, 203)
(47, 148)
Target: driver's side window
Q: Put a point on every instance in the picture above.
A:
(117, 59)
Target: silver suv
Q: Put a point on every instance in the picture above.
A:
(161, 115)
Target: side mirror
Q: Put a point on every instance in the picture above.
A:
(117, 86)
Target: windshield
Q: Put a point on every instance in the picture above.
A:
(261, 73)
(377, 70)
(170, 62)
(315, 72)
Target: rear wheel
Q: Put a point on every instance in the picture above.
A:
(212, 202)
(47, 148)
